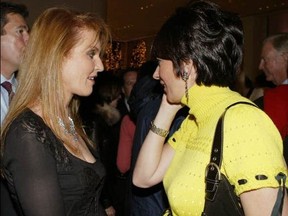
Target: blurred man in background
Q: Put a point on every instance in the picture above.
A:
(14, 37)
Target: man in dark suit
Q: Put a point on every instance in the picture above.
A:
(14, 37)
(129, 78)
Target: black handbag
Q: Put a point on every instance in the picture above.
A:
(220, 198)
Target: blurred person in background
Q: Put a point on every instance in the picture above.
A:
(101, 120)
(129, 78)
(14, 37)
(144, 102)
(274, 63)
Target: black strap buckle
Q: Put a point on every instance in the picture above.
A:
(212, 179)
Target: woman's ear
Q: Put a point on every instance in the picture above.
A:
(185, 75)
(188, 70)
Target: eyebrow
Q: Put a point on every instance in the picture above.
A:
(94, 45)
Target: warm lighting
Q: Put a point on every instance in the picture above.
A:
(146, 6)
(138, 55)
(113, 56)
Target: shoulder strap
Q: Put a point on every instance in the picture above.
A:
(212, 172)
(213, 168)
(217, 147)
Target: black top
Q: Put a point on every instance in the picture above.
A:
(105, 137)
(44, 178)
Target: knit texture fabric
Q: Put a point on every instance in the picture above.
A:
(252, 146)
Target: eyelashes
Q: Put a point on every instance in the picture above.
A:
(91, 53)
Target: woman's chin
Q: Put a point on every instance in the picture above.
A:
(85, 94)
(172, 100)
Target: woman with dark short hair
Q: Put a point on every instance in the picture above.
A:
(199, 51)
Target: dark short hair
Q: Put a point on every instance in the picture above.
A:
(11, 7)
(209, 36)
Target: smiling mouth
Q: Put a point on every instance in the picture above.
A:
(163, 85)
(91, 78)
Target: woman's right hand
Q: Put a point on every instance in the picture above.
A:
(174, 108)
(155, 157)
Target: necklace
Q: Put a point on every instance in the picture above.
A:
(71, 130)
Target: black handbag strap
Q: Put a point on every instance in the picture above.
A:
(217, 147)
(213, 168)
(213, 174)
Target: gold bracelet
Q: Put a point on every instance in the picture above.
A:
(159, 131)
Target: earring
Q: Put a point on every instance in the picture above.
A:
(185, 78)
(186, 91)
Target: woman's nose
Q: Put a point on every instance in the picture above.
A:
(26, 37)
(99, 67)
(156, 74)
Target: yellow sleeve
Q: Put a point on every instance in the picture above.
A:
(253, 149)
(187, 129)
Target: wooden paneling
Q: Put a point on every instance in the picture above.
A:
(278, 22)
(36, 7)
(260, 18)
(256, 29)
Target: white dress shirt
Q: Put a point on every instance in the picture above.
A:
(285, 82)
(5, 96)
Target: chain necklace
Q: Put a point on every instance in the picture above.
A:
(73, 133)
(71, 130)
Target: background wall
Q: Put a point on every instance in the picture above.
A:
(256, 28)
(35, 7)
